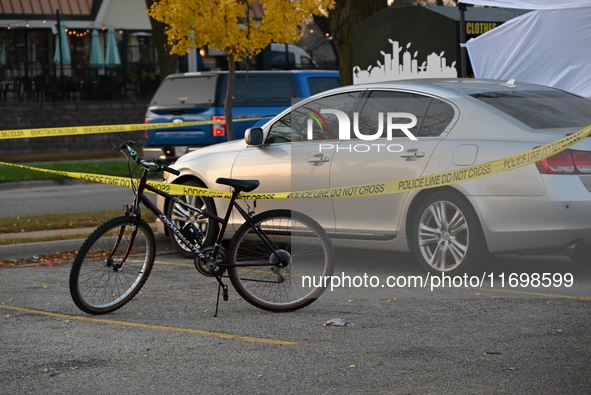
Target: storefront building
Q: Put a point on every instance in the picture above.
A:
(102, 50)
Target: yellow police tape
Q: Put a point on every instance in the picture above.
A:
(372, 189)
(74, 130)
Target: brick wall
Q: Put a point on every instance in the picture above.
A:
(62, 114)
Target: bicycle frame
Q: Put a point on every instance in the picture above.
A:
(142, 198)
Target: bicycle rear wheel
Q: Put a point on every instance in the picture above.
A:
(101, 280)
(302, 254)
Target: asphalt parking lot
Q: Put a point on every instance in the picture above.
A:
(404, 340)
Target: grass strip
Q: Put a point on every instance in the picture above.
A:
(111, 168)
(62, 156)
(32, 223)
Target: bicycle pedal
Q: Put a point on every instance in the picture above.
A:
(225, 292)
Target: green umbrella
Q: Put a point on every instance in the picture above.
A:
(96, 54)
(62, 48)
(112, 58)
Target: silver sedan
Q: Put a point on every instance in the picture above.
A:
(399, 130)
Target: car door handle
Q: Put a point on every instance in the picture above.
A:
(319, 159)
(413, 154)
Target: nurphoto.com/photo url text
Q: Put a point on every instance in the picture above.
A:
(442, 280)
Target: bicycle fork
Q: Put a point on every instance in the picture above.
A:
(109, 261)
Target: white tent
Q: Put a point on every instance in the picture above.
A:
(531, 4)
(548, 46)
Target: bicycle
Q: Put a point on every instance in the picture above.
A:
(266, 260)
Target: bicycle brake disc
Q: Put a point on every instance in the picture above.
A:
(221, 257)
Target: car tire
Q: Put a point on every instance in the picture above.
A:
(180, 216)
(446, 235)
(582, 257)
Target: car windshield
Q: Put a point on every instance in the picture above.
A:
(541, 109)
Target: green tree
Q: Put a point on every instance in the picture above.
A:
(227, 25)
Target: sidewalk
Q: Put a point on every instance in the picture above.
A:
(28, 250)
(22, 198)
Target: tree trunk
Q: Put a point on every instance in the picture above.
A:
(167, 61)
(230, 97)
(345, 15)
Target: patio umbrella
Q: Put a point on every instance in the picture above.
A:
(112, 57)
(96, 54)
(62, 47)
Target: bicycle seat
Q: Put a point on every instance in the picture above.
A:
(239, 185)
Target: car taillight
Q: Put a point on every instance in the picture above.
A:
(566, 162)
(146, 131)
(219, 125)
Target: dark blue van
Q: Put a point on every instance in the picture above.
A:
(199, 96)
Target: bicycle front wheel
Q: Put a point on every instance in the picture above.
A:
(287, 276)
(112, 265)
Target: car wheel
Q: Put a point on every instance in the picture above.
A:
(180, 216)
(583, 256)
(447, 236)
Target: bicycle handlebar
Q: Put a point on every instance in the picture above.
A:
(158, 164)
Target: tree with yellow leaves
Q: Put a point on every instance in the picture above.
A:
(228, 25)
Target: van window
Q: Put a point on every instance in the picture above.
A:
(306, 63)
(191, 91)
(260, 90)
(278, 60)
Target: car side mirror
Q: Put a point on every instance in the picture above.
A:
(254, 136)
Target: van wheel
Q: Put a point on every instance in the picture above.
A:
(180, 216)
(447, 236)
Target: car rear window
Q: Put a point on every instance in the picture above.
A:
(321, 84)
(193, 91)
(260, 90)
(541, 109)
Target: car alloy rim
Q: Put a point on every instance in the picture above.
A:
(181, 216)
(443, 236)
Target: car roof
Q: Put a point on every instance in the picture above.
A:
(452, 87)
